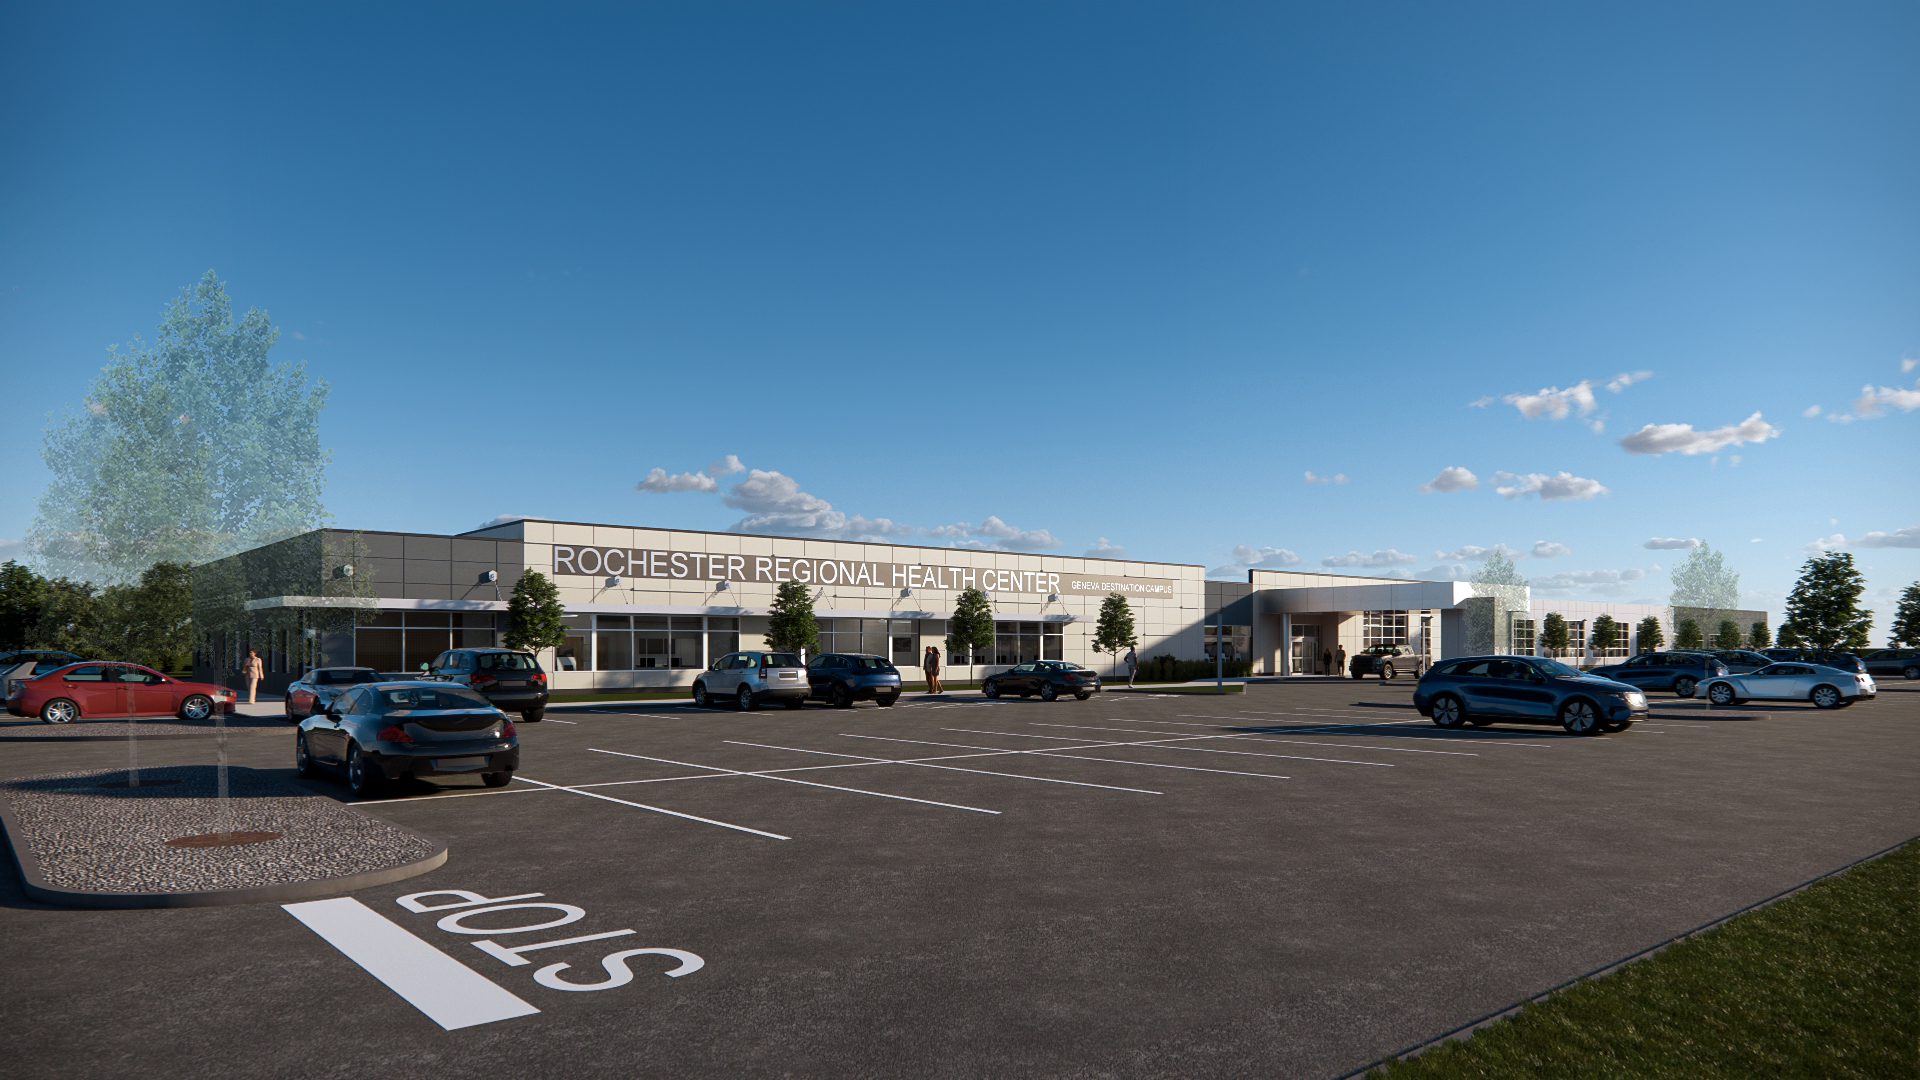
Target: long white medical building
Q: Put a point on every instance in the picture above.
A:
(649, 608)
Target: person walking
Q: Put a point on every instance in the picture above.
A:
(930, 664)
(1339, 661)
(253, 671)
(1133, 664)
(1326, 661)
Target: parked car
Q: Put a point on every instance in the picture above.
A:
(27, 663)
(1385, 661)
(1679, 672)
(512, 681)
(94, 690)
(376, 732)
(1834, 658)
(310, 693)
(843, 678)
(1826, 687)
(1481, 690)
(1778, 655)
(1902, 662)
(750, 678)
(1048, 678)
(1741, 661)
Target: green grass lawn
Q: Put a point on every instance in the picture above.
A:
(1824, 984)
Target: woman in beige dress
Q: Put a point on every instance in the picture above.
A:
(253, 671)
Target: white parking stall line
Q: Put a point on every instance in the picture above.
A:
(1262, 739)
(1060, 752)
(950, 768)
(1163, 744)
(1531, 739)
(569, 723)
(658, 810)
(449, 992)
(791, 780)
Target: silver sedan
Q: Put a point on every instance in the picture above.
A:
(1826, 687)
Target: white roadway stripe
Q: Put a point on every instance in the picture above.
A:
(1161, 744)
(449, 992)
(791, 780)
(1060, 752)
(573, 723)
(950, 768)
(658, 810)
(1518, 738)
(1257, 738)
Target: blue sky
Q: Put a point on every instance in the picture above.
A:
(1057, 277)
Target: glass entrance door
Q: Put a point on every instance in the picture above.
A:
(1306, 650)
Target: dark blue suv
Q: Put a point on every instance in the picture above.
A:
(1479, 690)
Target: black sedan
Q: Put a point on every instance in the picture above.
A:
(1480, 690)
(377, 732)
(1048, 678)
(310, 693)
(843, 678)
(1902, 662)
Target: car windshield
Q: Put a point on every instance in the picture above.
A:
(870, 663)
(1380, 650)
(782, 659)
(1555, 668)
(507, 661)
(345, 676)
(427, 699)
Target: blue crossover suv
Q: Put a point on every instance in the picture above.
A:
(1479, 690)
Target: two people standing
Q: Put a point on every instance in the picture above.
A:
(930, 663)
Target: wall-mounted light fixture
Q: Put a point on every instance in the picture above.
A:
(1053, 598)
(488, 577)
(904, 593)
(613, 581)
(722, 586)
(344, 571)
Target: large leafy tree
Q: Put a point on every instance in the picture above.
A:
(1824, 606)
(792, 627)
(970, 631)
(535, 617)
(1553, 633)
(1758, 637)
(1114, 629)
(1499, 591)
(1906, 618)
(1651, 634)
(1729, 635)
(1688, 636)
(150, 622)
(1606, 634)
(1704, 589)
(195, 448)
(23, 595)
(1789, 638)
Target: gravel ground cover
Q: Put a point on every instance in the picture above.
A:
(117, 728)
(112, 839)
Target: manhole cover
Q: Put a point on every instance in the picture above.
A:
(143, 783)
(223, 839)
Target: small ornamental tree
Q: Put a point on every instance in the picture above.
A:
(1651, 636)
(1824, 607)
(1553, 633)
(791, 626)
(1729, 635)
(1906, 619)
(1790, 638)
(1605, 635)
(535, 619)
(1757, 636)
(970, 631)
(1114, 630)
(1688, 636)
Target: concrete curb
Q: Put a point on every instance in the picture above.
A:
(35, 885)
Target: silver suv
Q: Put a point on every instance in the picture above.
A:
(749, 678)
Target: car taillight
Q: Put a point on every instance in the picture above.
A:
(482, 680)
(540, 677)
(509, 732)
(393, 734)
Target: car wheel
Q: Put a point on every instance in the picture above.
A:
(196, 707)
(362, 778)
(795, 703)
(700, 698)
(885, 700)
(1683, 686)
(496, 779)
(1048, 692)
(842, 697)
(59, 711)
(1386, 672)
(1082, 695)
(532, 716)
(1912, 671)
(303, 761)
(1448, 712)
(747, 704)
(990, 689)
(1720, 694)
(291, 719)
(1580, 718)
(1825, 697)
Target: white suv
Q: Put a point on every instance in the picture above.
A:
(749, 678)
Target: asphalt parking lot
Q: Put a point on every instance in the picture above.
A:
(1294, 881)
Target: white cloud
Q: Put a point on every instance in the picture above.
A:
(1627, 378)
(16, 550)
(1669, 543)
(1016, 539)
(1840, 418)
(298, 336)
(1870, 400)
(1336, 478)
(1558, 488)
(659, 483)
(505, 519)
(1904, 538)
(1757, 540)
(726, 466)
(1249, 558)
(1475, 553)
(1597, 426)
(1451, 479)
(1103, 550)
(1446, 572)
(1547, 549)
(1612, 583)
(1908, 363)
(1659, 439)
(1824, 544)
(1388, 557)
(1810, 411)
(1481, 402)
(1555, 402)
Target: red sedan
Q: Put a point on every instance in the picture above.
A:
(95, 690)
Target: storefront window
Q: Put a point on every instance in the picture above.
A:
(891, 638)
(1239, 640)
(723, 637)
(1522, 636)
(1383, 628)
(1025, 642)
(575, 653)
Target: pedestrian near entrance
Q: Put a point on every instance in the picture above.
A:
(1133, 664)
(930, 663)
(1326, 661)
(253, 671)
(1339, 661)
